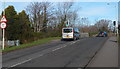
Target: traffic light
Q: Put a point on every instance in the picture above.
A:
(119, 27)
(114, 23)
(67, 24)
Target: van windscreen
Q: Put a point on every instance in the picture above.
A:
(67, 30)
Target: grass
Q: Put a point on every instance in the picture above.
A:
(34, 43)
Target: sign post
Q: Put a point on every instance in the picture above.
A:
(3, 26)
(3, 44)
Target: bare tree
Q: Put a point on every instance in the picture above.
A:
(33, 10)
(64, 12)
(102, 25)
(93, 29)
(54, 15)
(85, 22)
(39, 15)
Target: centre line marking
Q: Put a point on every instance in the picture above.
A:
(20, 63)
(24, 61)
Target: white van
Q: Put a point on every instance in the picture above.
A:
(70, 33)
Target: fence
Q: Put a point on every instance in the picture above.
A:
(84, 34)
(11, 43)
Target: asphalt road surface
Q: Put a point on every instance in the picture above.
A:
(56, 54)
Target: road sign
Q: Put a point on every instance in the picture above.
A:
(3, 19)
(3, 25)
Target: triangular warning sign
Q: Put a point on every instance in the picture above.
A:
(3, 19)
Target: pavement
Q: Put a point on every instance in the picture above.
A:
(107, 56)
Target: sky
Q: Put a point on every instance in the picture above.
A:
(61, 0)
(95, 11)
(91, 10)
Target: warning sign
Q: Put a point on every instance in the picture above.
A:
(3, 19)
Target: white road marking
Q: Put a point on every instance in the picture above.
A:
(74, 42)
(54, 50)
(64, 45)
(59, 48)
(20, 63)
(25, 61)
(79, 68)
(42, 54)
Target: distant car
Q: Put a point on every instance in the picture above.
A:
(102, 34)
(105, 33)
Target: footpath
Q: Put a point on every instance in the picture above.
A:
(107, 56)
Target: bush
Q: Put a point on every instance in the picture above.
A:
(92, 33)
(40, 35)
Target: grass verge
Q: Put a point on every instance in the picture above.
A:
(34, 43)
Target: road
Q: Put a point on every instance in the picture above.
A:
(56, 54)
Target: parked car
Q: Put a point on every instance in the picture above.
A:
(102, 34)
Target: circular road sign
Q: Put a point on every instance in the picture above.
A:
(3, 25)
